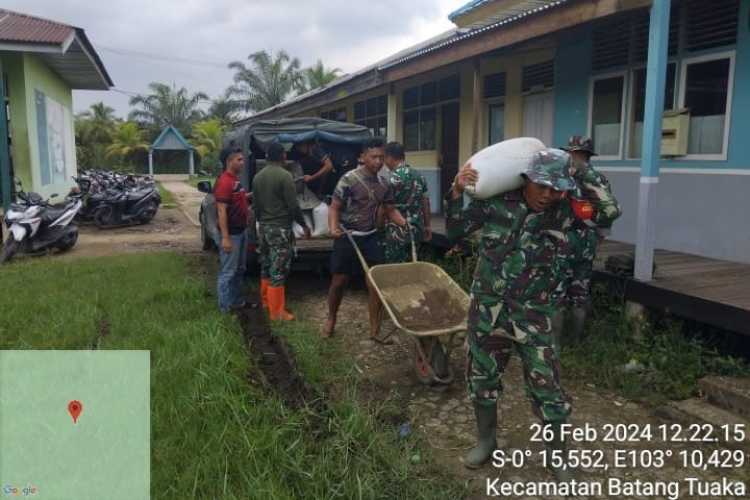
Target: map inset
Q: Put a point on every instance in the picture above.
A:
(75, 425)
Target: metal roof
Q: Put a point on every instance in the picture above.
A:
(64, 48)
(522, 11)
(170, 139)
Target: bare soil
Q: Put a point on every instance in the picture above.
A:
(169, 230)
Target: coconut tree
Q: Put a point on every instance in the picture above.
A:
(167, 105)
(268, 80)
(207, 139)
(93, 131)
(127, 142)
(224, 108)
(317, 76)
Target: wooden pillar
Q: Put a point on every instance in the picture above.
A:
(476, 108)
(150, 162)
(6, 182)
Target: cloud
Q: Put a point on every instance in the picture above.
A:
(348, 34)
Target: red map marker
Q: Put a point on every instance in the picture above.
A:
(75, 408)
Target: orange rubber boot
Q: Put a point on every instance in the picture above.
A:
(277, 304)
(264, 284)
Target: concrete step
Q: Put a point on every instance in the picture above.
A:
(699, 411)
(729, 393)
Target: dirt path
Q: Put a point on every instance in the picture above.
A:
(188, 198)
(446, 419)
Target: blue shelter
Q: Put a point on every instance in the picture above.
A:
(171, 139)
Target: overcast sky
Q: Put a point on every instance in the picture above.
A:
(207, 34)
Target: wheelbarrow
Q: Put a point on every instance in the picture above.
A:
(425, 303)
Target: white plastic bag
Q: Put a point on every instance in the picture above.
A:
(320, 220)
(500, 166)
(297, 229)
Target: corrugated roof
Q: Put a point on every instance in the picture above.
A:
(466, 8)
(17, 27)
(534, 7)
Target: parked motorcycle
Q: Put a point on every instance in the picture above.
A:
(35, 225)
(111, 199)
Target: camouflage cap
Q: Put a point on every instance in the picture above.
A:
(580, 143)
(551, 167)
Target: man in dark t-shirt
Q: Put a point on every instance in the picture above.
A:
(232, 215)
(358, 197)
(317, 167)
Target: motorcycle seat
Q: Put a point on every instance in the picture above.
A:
(51, 214)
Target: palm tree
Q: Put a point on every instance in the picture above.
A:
(268, 80)
(167, 105)
(207, 139)
(93, 131)
(127, 142)
(317, 76)
(224, 108)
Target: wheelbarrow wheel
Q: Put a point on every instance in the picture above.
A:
(436, 365)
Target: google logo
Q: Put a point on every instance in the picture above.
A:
(14, 491)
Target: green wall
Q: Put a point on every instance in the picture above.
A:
(38, 76)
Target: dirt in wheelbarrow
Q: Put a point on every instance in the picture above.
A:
(436, 310)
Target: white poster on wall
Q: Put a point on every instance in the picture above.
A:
(55, 136)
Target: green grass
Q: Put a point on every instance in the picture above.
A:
(167, 198)
(671, 360)
(214, 435)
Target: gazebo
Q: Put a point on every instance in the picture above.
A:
(171, 139)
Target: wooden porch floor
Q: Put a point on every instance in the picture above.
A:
(710, 291)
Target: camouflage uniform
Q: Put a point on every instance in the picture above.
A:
(519, 283)
(276, 246)
(584, 238)
(409, 191)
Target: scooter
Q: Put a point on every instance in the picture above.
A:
(124, 207)
(36, 225)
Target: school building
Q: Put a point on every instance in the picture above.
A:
(552, 69)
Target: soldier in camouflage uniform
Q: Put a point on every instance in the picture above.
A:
(584, 238)
(519, 285)
(410, 195)
(276, 207)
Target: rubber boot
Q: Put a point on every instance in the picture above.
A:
(487, 436)
(558, 323)
(577, 323)
(277, 304)
(264, 284)
(556, 447)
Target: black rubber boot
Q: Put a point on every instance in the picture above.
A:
(558, 323)
(577, 323)
(556, 447)
(487, 436)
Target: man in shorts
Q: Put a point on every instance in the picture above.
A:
(357, 200)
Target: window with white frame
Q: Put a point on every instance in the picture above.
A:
(607, 105)
(638, 105)
(706, 89)
(338, 115)
(494, 93)
(702, 83)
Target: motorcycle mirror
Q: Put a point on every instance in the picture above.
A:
(53, 195)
